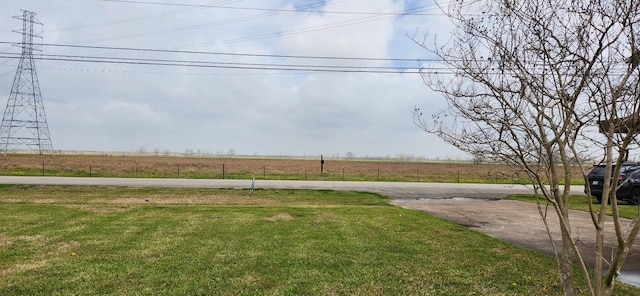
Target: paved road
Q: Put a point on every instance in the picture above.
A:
(396, 190)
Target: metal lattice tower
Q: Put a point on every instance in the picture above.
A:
(24, 123)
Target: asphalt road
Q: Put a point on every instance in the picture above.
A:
(396, 190)
(478, 206)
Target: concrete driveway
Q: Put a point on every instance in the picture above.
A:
(516, 222)
(521, 224)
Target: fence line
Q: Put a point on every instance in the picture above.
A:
(151, 167)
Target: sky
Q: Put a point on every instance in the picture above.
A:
(200, 76)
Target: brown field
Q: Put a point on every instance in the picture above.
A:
(145, 166)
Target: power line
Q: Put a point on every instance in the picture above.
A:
(298, 10)
(181, 73)
(228, 65)
(197, 62)
(2, 52)
(239, 65)
(200, 26)
(303, 30)
(369, 18)
(246, 66)
(58, 9)
(307, 29)
(139, 18)
(134, 49)
(151, 62)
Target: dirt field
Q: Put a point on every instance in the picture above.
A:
(246, 168)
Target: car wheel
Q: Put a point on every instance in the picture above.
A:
(634, 197)
(599, 198)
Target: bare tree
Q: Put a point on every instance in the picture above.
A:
(526, 83)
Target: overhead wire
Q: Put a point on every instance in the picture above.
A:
(418, 68)
(301, 30)
(419, 63)
(249, 66)
(195, 27)
(198, 62)
(259, 66)
(301, 68)
(225, 72)
(224, 65)
(255, 66)
(228, 65)
(57, 9)
(296, 10)
(219, 53)
(7, 61)
(139, 18)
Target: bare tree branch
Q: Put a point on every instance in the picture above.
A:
(531, 82)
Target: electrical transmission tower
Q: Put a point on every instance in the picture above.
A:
(24, 122)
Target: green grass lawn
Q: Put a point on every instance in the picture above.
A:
(63, 240)
(580, 202)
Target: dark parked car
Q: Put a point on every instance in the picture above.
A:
(629, 178)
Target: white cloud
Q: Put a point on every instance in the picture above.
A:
(92, 106)
(131, 112)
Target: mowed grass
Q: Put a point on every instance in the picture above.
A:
(64, 240)
(580, 203)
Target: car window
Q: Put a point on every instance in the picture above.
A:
(629, 168)
(599, 169)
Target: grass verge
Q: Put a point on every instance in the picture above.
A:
(63, 240)
(580, 203)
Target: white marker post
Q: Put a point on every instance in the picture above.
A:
(253, 185)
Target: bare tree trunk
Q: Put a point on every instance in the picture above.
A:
(529, 80)
(566, 263)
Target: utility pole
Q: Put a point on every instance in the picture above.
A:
(24, 122)
(321, 168)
